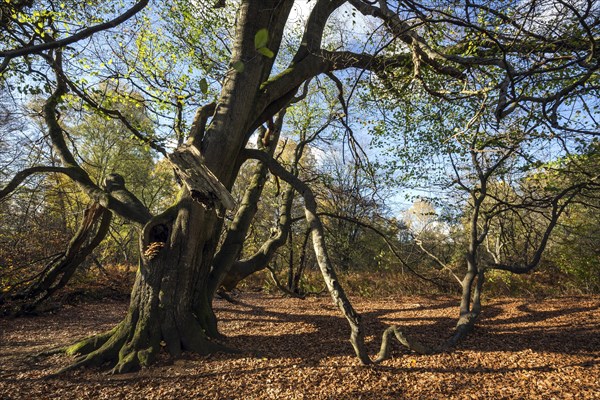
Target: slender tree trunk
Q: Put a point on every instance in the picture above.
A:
(290, 274)
(233, 243)
(470, 303)
(301, 265)
(467, 285)
(318, 237)
(260, 260)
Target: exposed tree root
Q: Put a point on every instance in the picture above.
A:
(464, 326)
(409, 343)
(131, 346)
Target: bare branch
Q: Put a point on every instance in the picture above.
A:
(83, 34)
(558, 208)
(24, 174)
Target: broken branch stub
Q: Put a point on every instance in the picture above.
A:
(203, 185)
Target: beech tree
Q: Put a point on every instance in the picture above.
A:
(517, 45)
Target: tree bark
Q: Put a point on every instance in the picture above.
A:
(171, 298)
(164, 304)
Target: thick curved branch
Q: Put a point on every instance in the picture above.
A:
(329, 275)
(260, 260)
(280, 89)
(315, 26)
(408, 34)
(128, 207)
(226, 271)
(24, 174)
(277, 22)
(409, 343)
(199, 124)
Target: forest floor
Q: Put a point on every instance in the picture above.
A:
(298, 349)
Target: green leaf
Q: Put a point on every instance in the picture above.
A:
(203, 85)
(266, 52)
(261, 38)
(238, 66)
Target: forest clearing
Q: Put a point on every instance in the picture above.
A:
(288, 199)
(524, 348)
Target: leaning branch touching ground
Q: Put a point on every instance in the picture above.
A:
(329, 275)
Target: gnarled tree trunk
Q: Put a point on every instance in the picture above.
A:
(171, 298)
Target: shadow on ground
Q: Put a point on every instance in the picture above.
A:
(564, 330)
